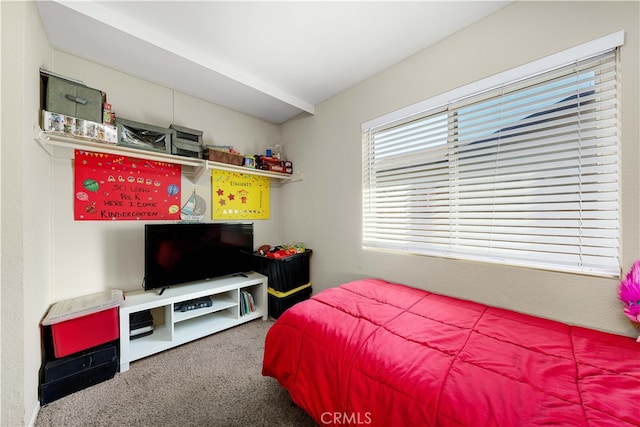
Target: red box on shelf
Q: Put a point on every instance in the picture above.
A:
(274, 165)
(84, 322)
(274, 168)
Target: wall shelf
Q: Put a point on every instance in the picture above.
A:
(61, 145)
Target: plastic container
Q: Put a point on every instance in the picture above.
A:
(62, 377)
(286, 273)
(279, 302)
(143, 136)
(81, 323)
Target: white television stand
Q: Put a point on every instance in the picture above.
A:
(172, 328)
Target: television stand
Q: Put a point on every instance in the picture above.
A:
(240, 275)
(172, 328)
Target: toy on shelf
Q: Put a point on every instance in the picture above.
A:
(281, 251)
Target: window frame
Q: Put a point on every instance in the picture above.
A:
(442, 104)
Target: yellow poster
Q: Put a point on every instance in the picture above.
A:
(238, 195)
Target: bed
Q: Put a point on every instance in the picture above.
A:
(376, 353)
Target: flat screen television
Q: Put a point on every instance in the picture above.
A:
(181, 253)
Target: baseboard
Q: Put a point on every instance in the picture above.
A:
(34, 415)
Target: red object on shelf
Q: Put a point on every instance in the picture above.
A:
(274, 165)
(281, 253)
(85, 332)
(274, 168)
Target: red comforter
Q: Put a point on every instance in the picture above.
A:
(375, 353)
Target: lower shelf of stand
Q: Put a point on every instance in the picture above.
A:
(160, 339)
(172, 328)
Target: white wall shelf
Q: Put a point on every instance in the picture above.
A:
(61, 145)
(281, 177)
(172, 328)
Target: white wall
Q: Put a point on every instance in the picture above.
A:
(46, 256)
(327, 148)
(25, 212)
(88, 256)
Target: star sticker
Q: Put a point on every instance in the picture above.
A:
(231, 197)
(220, 192)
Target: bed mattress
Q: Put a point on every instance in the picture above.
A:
(384, 354)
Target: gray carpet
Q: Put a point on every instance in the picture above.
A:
(214, 381)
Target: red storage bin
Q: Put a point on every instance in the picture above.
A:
(85, 332)
(84, 322)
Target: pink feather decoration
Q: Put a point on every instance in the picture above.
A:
(630, 293)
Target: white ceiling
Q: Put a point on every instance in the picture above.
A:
(269, 59)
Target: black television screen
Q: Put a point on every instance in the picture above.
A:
(180, 253)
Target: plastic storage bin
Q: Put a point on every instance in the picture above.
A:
(67, 375)
(279, 302)
(286, 273)
(186, 142)
(143, 136)
(84, 322)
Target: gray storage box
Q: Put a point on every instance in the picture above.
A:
(73, 99)
(181, 148)
(143, 136)
(186, 142)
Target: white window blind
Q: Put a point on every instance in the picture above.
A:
(525, 174)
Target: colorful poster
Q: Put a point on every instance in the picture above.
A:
(238, 195)
(114, 187)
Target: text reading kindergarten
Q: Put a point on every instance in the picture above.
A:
(238, 195)
(113, 187)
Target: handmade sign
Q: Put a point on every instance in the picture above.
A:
(114, 187)
(238, 195)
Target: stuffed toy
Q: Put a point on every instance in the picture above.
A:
(629, 293)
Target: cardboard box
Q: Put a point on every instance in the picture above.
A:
(108, 116)
(273, 168)
(225, 157)
(274, 165)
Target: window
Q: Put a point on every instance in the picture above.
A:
(523, 173)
